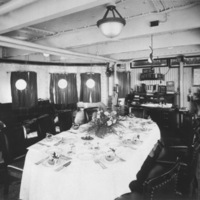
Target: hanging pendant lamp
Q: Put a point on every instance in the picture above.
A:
(111, 26)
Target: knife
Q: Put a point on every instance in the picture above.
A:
(61, 167)
(42, 160)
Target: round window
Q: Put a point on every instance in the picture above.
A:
(62, 83)
(90, 83)
(21, 84)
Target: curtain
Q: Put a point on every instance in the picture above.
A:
(66, 95)
(26, 98)
(90, 94)
(124, 79)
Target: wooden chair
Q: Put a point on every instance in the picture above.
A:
(184, 136)
(187, 181)
(14, 151)
(65, 120)
(149, 163)
(139, 112)
(45, 125)
(89, 112)
(161, 184)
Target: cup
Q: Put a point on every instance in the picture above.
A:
(49, 136)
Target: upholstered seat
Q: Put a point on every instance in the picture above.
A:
(89, 113)
(187, 183)
(143, 173)
(65, 120)
(160, 184)
(45, 125)
(14, 151)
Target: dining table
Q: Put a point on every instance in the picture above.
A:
(78, 165)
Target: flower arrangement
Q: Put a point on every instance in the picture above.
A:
(104, 123)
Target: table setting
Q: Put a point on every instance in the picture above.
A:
(110, 160)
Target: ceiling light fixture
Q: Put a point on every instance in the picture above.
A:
(111, 26)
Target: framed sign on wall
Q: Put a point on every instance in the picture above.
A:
(196, 76)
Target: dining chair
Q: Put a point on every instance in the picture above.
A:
(13, 151)
(161, 184)
(183, 136)
(187, 181)
(139, 112)
(65, 120)
(45, 125)
(141, 176)
(31, 131)
(89, 113)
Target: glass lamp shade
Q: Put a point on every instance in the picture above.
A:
(62, 83)
(21, 84)
(90, 83)
(111, 28)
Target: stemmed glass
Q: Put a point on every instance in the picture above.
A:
(121, 135)
(72, 149)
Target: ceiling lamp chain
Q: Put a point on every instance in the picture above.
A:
(111, 26)
(150, 59)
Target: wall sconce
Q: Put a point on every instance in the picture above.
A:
(111, 26)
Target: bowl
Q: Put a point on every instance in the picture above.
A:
(75, 126)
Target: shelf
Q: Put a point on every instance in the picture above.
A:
(151, 76)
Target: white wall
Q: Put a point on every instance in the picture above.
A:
(43, 78)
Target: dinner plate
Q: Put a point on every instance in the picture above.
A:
(47, 163)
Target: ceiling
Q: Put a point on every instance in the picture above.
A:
(67, 30)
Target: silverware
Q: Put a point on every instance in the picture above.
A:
(43, 144)
(42, 160)
(100, 163)
(114, 151)
(65, 157)
(121, 159)
(59, 142)
(61, 167)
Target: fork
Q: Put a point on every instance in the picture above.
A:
(59, 142)
(114, 151)
(100, 163)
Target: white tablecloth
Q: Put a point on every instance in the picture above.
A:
(84, 179)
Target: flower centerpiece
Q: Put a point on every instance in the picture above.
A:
(104, 123)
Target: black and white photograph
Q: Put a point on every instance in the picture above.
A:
(99, 99)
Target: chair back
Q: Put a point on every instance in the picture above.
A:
(89, 113)
(45, 125)
(193, 162)
(162, 186)
(65, 120)
(13, 143)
